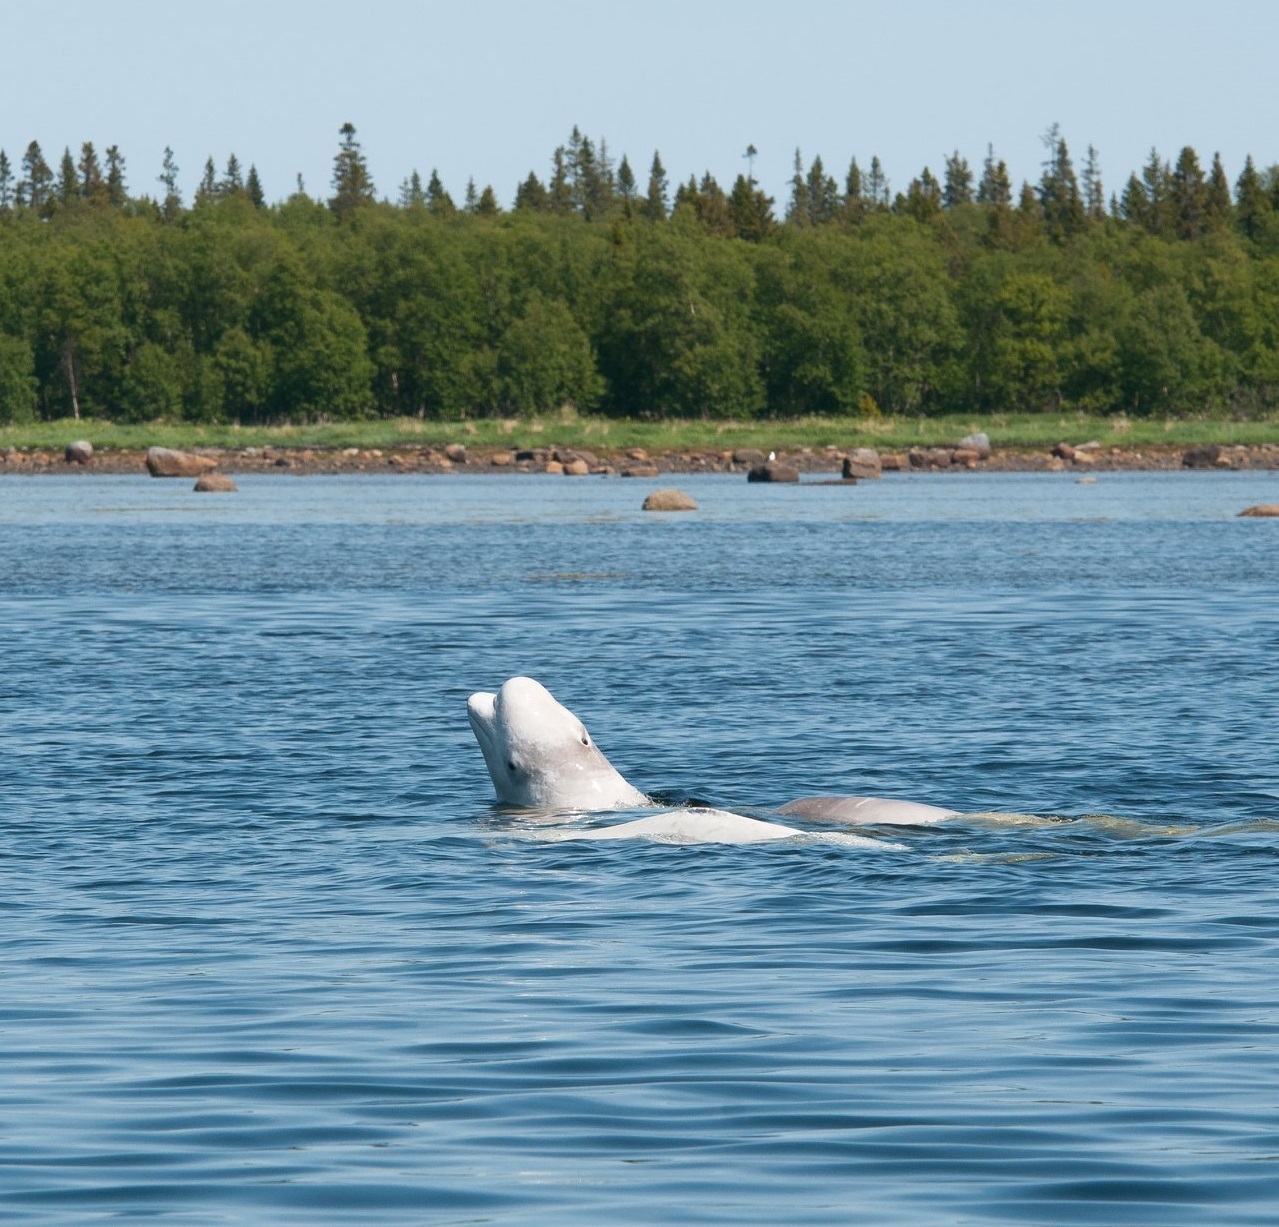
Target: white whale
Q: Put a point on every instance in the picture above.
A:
(540, 756)
(866, 811)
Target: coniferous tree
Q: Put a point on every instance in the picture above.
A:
(854, 203)
(1134, 205)
(923, 199)
(208, 187)
(712, 207)
(117, 191)
(438, 201)
(995, 187)
(531, 195)
(823, 194)
(68, 181)
(6, 183)
(1155, 178)
(750, 211)
(876, 186)
(232, 178)
(253, 188)
(798, 211)
(1188, 196)
(1252, 204)
(487, 205)
(626, 186)
(352, 183)
(559, 192)
(655, 199)
(958, 188)
(1059, 198)
(412, 195)
(36, 188)
(171, 205)
(1094, 192)
(471, 199)
(1217, 207)
(93, 188)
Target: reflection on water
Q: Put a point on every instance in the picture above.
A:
(271, 954)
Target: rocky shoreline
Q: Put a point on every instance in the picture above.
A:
(840, 463)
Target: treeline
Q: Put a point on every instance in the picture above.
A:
(626, 298)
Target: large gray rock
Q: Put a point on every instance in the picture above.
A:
(748, 455)
(863, 462)
(165, 462)
(456, 452)
(773, 470)
(215, 483)
(978, 442)
(79, 452)
(1201, 457)
(669, 500)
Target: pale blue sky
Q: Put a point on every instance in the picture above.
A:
(488, 90)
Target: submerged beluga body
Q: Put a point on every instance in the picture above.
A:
(540, 756)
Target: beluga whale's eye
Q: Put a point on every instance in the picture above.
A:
(510, 766)
(586, 741)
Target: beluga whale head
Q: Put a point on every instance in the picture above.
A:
(540, 755)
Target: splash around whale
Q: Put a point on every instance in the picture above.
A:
(540, 756)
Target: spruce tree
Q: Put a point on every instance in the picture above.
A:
(995, 187)
(208, 187)
(412, 195)
(93, 188)
(1094, 192)
(531, 196)
(253, 188)
(1217, 207)
(1059, 198)
(171, 205)
(68, 181)
(1188, 196)
(117, 190)
(854, 203)
(6, 183)
(352, 183)
(798, 212)
(232, 178)
(36, 188)
(750, 211)
(1134, 206)
(1252, 204)
(876, 186)
(712, 207)
(823, 194)
(559, 193)
(438, 201)
(471, 200)
(626, 187)
(655, 199)
(487, 205)
(958, 189)
(1155, 178)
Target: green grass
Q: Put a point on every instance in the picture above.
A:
(1027, 430)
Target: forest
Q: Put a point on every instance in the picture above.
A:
(619, 294)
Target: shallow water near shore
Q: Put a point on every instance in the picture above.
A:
(271, 954)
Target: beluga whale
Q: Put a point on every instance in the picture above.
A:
(541, 757)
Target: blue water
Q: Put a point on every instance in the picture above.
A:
(270, 954)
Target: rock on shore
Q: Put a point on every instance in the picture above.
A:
(165, 462)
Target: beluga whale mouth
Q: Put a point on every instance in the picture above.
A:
(540, 755)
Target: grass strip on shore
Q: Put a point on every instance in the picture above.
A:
(1029, 430)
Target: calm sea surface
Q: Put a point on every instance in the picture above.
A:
(270, 954)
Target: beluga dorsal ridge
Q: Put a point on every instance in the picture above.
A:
(540, 754)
